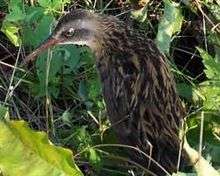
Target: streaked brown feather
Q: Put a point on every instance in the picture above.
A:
(139, 88)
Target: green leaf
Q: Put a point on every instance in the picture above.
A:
(169, 25)
(33, 14)
(140, 14)
(211, 88)
(81, 137)
(214, 8)
(71, 57)
(16, 11)
(94, 157)
(11, 31)
(39, 25)
(212, 95)
(44, 3)
(48, 82)
(15, 15)
(63, 63)
(185, 90)
(29, 153)
(53, 5)
(94, 88)
(212, 66)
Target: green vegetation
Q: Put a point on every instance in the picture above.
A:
(61, 93)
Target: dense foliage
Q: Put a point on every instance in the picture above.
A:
(61, 93)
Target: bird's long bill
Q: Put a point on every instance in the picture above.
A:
(45, 45)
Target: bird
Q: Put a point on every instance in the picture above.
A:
(138, 87)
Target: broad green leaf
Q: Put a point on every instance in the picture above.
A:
(32, 14)
(71, 57)
(63, 63)
(212, 95)
(29, 153)
(39, 25)
(185, 90)
(11, 31)
(169, 25)
(15, 14)
(48, 82)
(212, 66)
(16, 11)
(211, 88)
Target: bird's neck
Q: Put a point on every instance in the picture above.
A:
(113, 37)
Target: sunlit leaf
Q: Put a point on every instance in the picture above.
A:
(11, 31)
(29, 153)
(212, 66)
(169, 25)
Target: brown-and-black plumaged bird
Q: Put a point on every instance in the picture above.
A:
(138, 87)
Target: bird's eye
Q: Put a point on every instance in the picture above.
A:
(69, 33)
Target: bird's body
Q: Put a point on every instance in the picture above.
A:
(138, 88)
(142, 103)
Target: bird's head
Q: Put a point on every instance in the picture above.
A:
(79, 27)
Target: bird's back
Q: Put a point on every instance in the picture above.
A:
(141, 99)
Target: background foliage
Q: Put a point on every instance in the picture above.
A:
(61, 93)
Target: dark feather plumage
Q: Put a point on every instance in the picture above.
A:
(141, 98)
